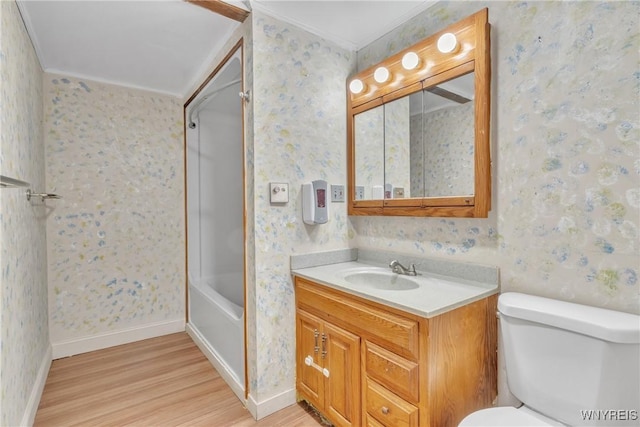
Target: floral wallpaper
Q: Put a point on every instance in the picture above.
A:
(299, 120)
(565, 132)
(116, 240)
(23, 255)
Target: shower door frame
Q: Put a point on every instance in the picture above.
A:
(232, 52)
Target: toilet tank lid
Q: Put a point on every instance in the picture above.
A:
(608, 325)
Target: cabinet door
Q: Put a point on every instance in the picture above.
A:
(342, 387)
(309, 379)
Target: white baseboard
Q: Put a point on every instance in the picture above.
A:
(217, 362)
(29, 415)
(111, 339)
(273, 404)
(257, 409)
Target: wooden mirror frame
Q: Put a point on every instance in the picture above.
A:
(473, 54)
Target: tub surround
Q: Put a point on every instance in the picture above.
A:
(216, 325)
(215, 226)
(442, 285)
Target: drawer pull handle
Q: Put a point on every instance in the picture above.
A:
(385, 410)
(316, 334)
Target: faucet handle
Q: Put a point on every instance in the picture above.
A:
(412, 270)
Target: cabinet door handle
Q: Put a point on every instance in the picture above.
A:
(385, 410)
(316, 334)
(324, 346)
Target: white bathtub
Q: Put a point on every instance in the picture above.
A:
(216, 322)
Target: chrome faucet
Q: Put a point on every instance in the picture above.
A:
(398, 268)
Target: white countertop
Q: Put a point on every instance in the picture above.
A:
(433, 295)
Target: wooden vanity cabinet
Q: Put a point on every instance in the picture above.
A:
(335, 365)
(387, 367)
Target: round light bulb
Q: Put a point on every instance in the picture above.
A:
(410, 60)
(381, 75)
(447, 43)
(356, 86)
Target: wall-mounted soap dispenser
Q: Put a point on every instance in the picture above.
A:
(314, 202)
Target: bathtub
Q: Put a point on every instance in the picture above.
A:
(216, 323)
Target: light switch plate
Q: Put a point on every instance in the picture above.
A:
(279, 192)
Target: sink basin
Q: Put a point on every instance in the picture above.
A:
(383, 280)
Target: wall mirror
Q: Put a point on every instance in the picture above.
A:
(418, 128)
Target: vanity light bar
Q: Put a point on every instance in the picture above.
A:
(447, 43)
(356, 86)
(381, 75)
(451, 47)
(410, 60)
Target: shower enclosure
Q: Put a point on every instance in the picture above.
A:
(215, 225)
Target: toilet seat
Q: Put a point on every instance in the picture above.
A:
(506, 416)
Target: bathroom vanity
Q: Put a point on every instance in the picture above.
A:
(376, 348)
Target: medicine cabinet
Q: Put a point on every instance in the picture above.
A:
(418, 128)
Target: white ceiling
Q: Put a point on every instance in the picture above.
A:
(168, 45)
(156, 45)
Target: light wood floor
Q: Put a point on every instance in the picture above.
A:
(163, 381)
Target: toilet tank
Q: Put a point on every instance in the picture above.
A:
(577, 364)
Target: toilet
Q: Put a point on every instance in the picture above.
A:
(570, 365)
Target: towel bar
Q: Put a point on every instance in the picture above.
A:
(8, 182)
(43, 196)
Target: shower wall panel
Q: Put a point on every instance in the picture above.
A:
(221, 217)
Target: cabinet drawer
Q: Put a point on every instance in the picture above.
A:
(372, 422)
(387, 408)
(394, 372)
(391, 330)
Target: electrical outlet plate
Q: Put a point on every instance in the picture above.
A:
(337, 193)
